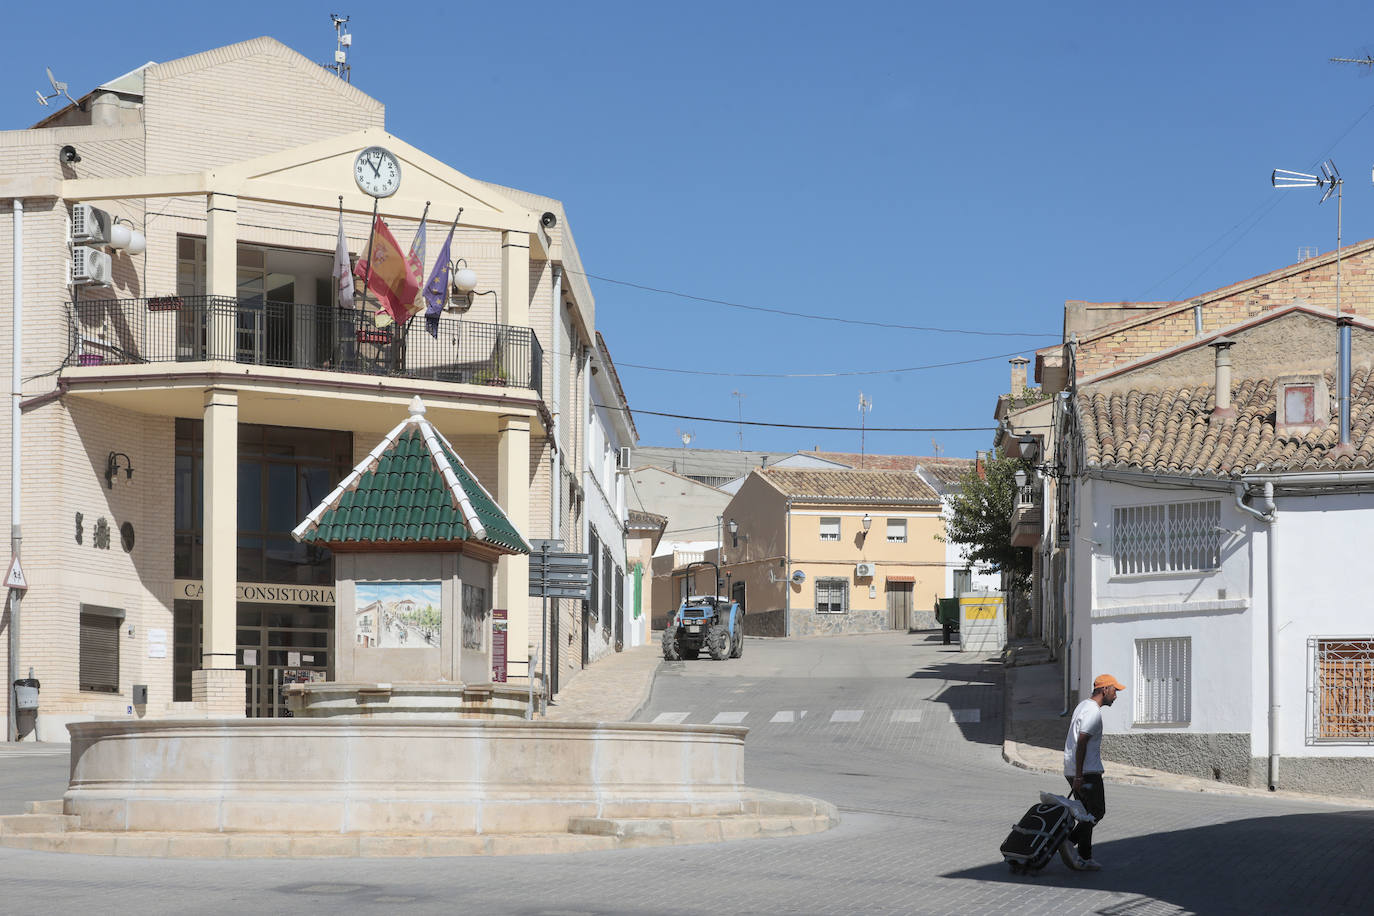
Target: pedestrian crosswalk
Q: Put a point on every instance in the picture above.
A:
(836, 717)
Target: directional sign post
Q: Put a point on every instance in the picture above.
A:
(555, 573)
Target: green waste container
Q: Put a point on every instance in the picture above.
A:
(947, 615)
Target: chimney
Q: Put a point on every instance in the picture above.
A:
(1344, 322)
(1018, 375)
(1223, 409)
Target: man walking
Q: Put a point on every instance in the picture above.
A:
(1083, 769)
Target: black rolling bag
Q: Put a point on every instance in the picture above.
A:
(1035, 839)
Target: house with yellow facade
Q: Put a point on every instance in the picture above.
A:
(191, 382)
(809, 551)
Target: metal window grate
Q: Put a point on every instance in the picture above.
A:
(1163, 681)
(832, 596)
(1343, 690)
(1167, 537)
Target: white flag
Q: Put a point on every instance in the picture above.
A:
(343, 274)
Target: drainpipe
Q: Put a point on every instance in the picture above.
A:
(787, 578)
(16, 453)
(1197, 319)
(556, 504)
(1270, 517)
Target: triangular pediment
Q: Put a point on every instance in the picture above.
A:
(317, 174)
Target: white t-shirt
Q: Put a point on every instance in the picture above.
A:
(1087, 720)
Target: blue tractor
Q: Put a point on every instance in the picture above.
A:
(705, 621)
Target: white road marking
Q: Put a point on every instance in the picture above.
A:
(788, 715)
(670, 718)
(906, 715)
(964, 715)
(729, 718)
(846, 715)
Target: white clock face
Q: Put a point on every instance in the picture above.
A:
(377, 172)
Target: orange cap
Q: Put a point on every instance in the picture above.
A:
(1106, 680)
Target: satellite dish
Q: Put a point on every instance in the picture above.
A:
(798, 577)
(59, 88)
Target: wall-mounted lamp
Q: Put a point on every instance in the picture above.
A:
(464, 285)
(69, 155)
(868, 521)
(112, 468)
(734, 533)
(127, 237)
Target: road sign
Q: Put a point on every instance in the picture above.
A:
(581, 594)
(554, 544)
(560, 561)
(15, 577)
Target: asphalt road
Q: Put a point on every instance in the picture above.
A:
(902, 733)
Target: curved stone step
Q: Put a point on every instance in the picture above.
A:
(37, 823)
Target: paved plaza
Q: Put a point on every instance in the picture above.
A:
(902, 733)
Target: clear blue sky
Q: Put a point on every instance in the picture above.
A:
(957, 166)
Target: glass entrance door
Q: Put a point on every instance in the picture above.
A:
(281, 644)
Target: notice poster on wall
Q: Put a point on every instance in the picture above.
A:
(498, 646)
(157, 643)
(397, 615)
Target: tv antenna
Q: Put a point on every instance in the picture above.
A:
(686, 438)
(740, 396)
(344, 42)
(1330, 181)
(865, 405)
(58, 89)
(1366, 61)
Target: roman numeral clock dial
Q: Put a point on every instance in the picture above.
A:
(377, 172)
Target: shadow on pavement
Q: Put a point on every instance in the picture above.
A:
(1296, 863)
(972, 684)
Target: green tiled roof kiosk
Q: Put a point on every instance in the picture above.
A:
(416, 540)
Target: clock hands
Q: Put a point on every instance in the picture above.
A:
(376, 162)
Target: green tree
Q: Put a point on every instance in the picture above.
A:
(980, 523)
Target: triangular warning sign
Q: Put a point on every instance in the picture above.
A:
(15, 577)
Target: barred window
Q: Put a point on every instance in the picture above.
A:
(832, 596)
(896, 530)
(1163, 681)
(830, 529)
(1343, 701)
(1167, 537)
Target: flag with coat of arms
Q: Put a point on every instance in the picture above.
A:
(390, 274)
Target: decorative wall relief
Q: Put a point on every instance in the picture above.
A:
(79, 532)
(100, 537)
(397, 615)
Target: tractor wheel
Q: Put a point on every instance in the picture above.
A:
(737, 644)
(718, 642)
(671, 651)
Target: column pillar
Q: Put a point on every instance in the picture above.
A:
(515, 279)
(218, 684)
(221, 271)
(512, 573)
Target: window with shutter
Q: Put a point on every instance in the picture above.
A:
(1163, 681)
(830, 529)
(99, 661)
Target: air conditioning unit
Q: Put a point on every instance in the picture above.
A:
(91, 225)
(863, 570)
(622, 460)
(90, 266)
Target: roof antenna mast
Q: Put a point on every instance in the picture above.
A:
(344, 42)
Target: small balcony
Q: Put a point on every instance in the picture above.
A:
(1027, 516)
(179, 329)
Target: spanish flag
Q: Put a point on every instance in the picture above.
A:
(390, 274)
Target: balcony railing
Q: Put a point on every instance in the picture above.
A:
(170, 329)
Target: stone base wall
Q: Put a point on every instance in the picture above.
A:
(765, 623)
(806, 622)
(924, 620)
(1226, 758)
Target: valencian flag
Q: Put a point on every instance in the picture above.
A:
(436, 290)
(389, 275)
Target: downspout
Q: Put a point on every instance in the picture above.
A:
(1344, 322)
(787, 577)
(556, 504)
(1270, 517)
(16, 453)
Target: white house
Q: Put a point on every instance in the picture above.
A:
(1219, 530)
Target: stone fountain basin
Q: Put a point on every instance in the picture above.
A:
(396, 775)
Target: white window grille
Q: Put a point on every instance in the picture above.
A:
(830, 529)
(1342, 691)
(1163, 681)
(832, 596)
(1167, 537)
(896, 530)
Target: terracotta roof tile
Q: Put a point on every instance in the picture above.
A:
(1172, 430)
(851, 486)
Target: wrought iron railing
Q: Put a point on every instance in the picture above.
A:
(165, 329)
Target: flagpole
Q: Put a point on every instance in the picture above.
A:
(371, 233)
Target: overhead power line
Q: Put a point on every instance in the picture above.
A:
(836, 374)
(806, 315)
(871, 429)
